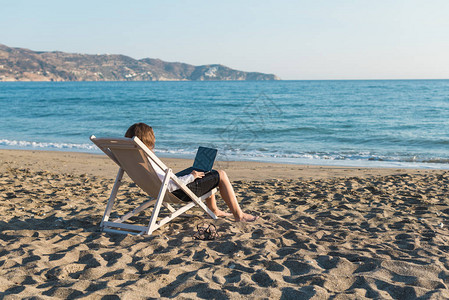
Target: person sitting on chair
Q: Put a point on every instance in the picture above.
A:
(198, 182)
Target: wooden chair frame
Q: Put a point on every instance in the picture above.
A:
(112, 145)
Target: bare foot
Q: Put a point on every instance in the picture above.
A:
(220, 213)
(247, 218)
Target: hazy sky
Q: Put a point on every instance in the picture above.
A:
(315, 39)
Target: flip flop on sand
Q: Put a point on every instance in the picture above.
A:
(206, 231)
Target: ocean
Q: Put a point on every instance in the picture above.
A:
(378, 123)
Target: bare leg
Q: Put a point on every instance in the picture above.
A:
(212, 204)
(228, 195)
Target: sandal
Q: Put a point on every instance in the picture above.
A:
(206, 231)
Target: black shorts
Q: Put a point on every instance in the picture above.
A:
(200, 186)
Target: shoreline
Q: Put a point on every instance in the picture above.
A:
(100, 165)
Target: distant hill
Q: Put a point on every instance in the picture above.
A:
(18, 64)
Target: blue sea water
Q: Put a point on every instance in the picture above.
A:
(352, 123)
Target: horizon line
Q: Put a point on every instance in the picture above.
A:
(358, 79)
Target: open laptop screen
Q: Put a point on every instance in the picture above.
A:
(204, 159)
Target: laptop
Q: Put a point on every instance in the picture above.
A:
(204, 161)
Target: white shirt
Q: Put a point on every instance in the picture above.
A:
(172, 186)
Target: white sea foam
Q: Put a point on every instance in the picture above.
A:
(356, 159)
(47, 146)
(349, 159)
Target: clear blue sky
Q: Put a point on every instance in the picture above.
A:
(315, 39)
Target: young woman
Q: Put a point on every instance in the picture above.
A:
(198, 182)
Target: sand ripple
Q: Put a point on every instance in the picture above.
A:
(379, 237)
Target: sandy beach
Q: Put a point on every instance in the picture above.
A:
(324, 232)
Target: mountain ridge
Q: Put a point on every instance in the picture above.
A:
(21, 64)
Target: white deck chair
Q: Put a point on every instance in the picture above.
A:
(132, 157)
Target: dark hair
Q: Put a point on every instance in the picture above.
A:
(143, 132)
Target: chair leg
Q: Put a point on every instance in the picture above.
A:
(160, 198)
(118, 181)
